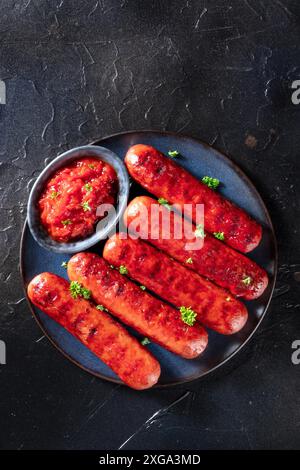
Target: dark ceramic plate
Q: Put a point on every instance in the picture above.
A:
(200, 160)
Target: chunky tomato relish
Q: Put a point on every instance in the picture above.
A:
(70, 198)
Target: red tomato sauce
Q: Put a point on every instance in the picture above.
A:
(70, 198)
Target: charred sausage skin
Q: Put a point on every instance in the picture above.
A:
(136, 308)
(215, 261)
(166, 179)
(215, 307)
(106, 338)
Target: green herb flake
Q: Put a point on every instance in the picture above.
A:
(164, 203)
(173, 153)
(54, 194)
(219, 235)
(85, 206)
(86, 294)
(64, 264)
(199, 232)
(91, 166)
(188, 315)
(143, 287)
(189, 261)
(102, 308)
(145, 341)
(88, 187)
(247, 280)
(66, 222)
(123, 269)
(212, 183)
(77, 290)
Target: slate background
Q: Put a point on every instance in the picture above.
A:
(217, 70)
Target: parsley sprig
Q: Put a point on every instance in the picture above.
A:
(77, 290)
(145, 341)
(212, 183)
(101, 308)
(188, 315)
(123, 269)
(66, 222)
(88, 187)
(219, 235)
(164, 203)
(173, 153)
(54, 194)
(86, 207)
(247, 280)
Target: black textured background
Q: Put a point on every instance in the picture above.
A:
(218, 70)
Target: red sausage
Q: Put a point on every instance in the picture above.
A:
(216, 261)
(106, 338)
(173, 282)
(165, 179)
(136, 308)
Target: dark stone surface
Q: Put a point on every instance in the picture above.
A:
(217, 70)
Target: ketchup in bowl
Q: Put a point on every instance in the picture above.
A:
(69, 201)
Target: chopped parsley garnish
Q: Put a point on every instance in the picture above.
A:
(86, 294)
(91, 166)
(85, 206)
(123, 269)
(247, 280)
(219, 235)
(64, 264)
(145, 341)
(164, 202)
(173, 153)
(199, 232)
(88, 187)
(212, 183)
(189, 261)
(143, 287)
(188, 315)
(54, 194)
(77, 290)
(102, 308)
(66, 222)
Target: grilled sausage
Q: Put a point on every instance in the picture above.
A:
(106, 338)
(173, 282)
(136, 308)
(164, 178)
(216, 261)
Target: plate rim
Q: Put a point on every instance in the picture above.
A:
(243, 175)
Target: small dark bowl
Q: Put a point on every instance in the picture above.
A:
(37, 229)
